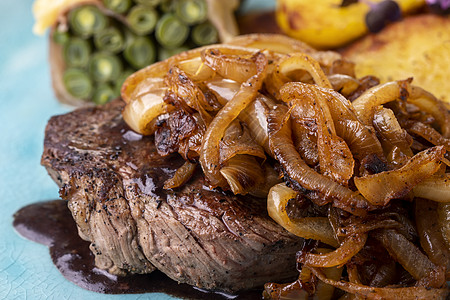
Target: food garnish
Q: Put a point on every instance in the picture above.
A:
(128, 35)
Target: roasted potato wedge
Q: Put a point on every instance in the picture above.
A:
(417, 47)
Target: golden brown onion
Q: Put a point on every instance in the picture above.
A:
(430, 104)
(387, 293)
(237, 140)
(335, 158)
(380, 188)
(361, 139)
(284, 151)
(304, 135)
(254, 115)
(233, 66)
(223, 89)
(348, 248)
(430, 134)
(406, 253)
(273, 42)
(181, 176)
(295, 62)
(390, 130)
(365, 104)
(430, 233)
(209, 156)
(141, 113)
(196, 69)
(444, 221)
(325, 291)
(182, 87)
(242, 173)
(436, 188)
(317, 228)
(137, 82)
(343, 84)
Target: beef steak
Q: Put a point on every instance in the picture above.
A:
(113, 178)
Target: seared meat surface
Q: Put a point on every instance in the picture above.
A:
(113, 178)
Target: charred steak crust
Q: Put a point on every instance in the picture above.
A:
(113, 177)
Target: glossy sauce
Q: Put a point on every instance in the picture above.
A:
(51, 223)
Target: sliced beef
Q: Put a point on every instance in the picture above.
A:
(113, 178)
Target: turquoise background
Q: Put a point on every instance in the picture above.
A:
(26, 103)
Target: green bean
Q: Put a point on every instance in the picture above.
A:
(60, 36)
(76, 52)
(142, 19)
(191, 11)
(152, 3)
(77, 83)
(167, 6)
(103, 93)
(87, 20)
(140, 52)
(118, 6)
(105, 67)
(165, 53)
(204, 34)
(171, 32)
(110, 39)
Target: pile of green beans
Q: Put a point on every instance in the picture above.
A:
(101, 47)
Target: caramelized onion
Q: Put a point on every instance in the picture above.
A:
(137, 82)
(141, 112)
(388, 293)
(284, 151)
(380, 188)
(285, 291)
(444, 221)
(361, 139)
(436, 188)
(181, 86)
(223, 89)
(317, 228)
(335, 158)
(209, 156)
(430, 233)
(378, 95)
(181, 176)
(406, 253)
(273, 42)
(390, 130)
(196, 69)
(343, 84)
(242, 173)
(254, 115)
(230, 66)
(304, 134)
(430, 134)
(430, 104)
(237, 140)
(270, 177)
(366, 225)
(348, 248)
(325, 291)
(302, 61)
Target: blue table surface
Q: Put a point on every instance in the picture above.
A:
(26, 104)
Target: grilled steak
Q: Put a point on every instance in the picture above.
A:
(113, 178)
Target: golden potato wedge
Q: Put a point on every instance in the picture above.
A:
(418, 47)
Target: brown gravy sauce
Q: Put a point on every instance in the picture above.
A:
(51, 223)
